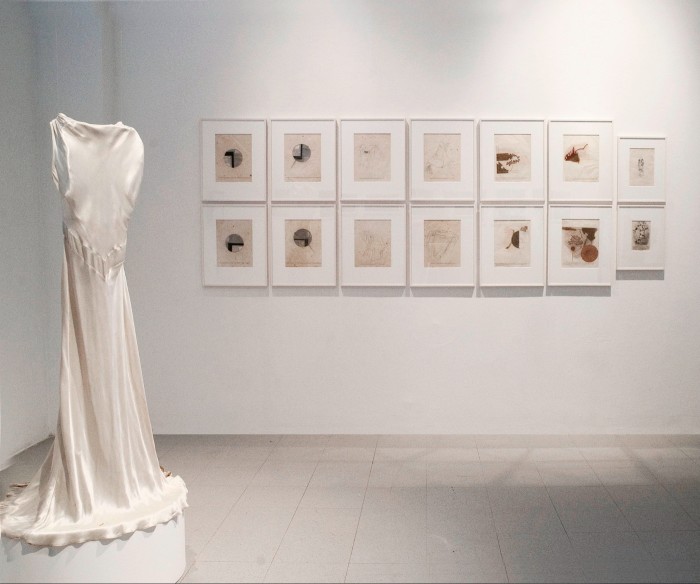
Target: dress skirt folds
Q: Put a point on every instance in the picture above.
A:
(101, 478)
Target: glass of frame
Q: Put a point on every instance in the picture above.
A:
(511, 160)
(302, 162)
(234, 245)
(442, 246)
(641, 170)
(234, 160)
(442, 160)
(580, 246)
(373, 160)
(512, 246)
(580, 161)
(641, 237)
(304, 245)
(373, 244)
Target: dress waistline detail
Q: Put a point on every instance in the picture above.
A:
(103, 266)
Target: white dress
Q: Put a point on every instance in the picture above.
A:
(101, 478)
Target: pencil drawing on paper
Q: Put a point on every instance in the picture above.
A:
(641, 167)
(302, 243)
(372, 243)
(581, 158)
(513, 157)
(442, 243)
(511, 243)
(580, 242)
(442, 157)
(234, 157)
(641, 235)
(302, 157)
(372, 157)
(234, 243)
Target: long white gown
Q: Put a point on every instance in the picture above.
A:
(101, 478)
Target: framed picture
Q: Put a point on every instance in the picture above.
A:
(580, 246)
(442, 246)
(511, 160)
(442, 160)
(304, 245)
(641, 170)
(580, 162)
(641, 237)
(234, 160)
(373, 243)
(234, 245)
(373, 160)
(303, 160)
(512, 246)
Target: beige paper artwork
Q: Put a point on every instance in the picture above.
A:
(234, 243)
(641, 167)
(513, 157)
(372, 243)
(442, 243)
(302, 243)
(442, 157)
(580, 241)
(581, 158)
(641, 235)
(511, 243)
(302, 157)
(372, 157)
(234, 158)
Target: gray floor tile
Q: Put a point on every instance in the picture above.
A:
(677, 571)
(573, 474)
(398, 474)
(672, 545)
(460, 572)
(511, 474)
(333, 497)
(524, 510)
(609, 546)
(620, 571)
(283, 473)
(615, 473)
(387, 572)
(306, 572)
(587, 509)
(203, 571)
(651, 508)
(454, 474)
(341, 474)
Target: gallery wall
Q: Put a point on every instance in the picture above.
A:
(225, 360)
(23, 300)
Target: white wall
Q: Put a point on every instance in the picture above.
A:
(23, 363)
(228, 360)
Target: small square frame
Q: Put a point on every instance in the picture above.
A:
(601, 275)
(256, 189)
(323, 190)
(326, 273)
(391, 190)
(627, 193)
(510, 191)
(462, 276)
(630, 259)
(492, 275)
(461, 190)
(213, 275)
(395, 275)
(600, 191)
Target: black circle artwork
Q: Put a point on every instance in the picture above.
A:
(234, 157)
(302, 237)
(234, 243)
(301, 152)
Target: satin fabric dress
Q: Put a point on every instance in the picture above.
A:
(101, 478)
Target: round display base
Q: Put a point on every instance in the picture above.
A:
(155, 555)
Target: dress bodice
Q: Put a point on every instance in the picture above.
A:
(98, 170)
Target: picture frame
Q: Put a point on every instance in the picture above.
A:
(298, 257)
(373, 160)
(234, 245)
(576, 227)
(641, 170)
(512, 246)
(302, 171)
(641, 237)
(442, 160)
(373, 245)
(581, 161)
(511, 161)
(234, 160)
(442, 246)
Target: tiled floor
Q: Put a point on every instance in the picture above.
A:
(434, 508)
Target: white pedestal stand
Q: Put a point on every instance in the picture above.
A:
(156, 555)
